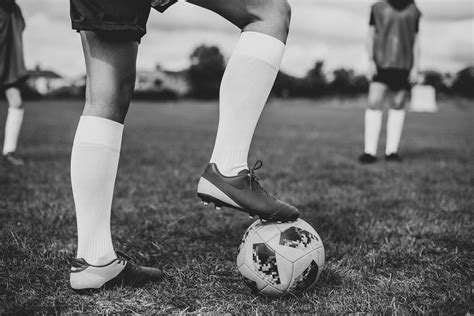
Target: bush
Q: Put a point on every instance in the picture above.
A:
(463, 84)
(205, 73)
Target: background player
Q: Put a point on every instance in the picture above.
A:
(12, 75)
(394, 51)
(110, 31)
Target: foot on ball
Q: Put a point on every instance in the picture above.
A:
(243, 192)
(86, 278)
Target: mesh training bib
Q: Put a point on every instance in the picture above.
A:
(395, 32)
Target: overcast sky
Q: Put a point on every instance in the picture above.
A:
(329, 30)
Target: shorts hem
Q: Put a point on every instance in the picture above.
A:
(112, 31)
(394, 87)
(394, 78)
(18, 83)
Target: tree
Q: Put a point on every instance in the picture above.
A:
(435, 79)
(205, 73)
(285, 85)
(464, 82)
(346, 82)
(316, 82)
(342, 80)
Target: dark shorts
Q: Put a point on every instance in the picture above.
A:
(121, 20)
(395, 79)
(13, 72)
(19, 84)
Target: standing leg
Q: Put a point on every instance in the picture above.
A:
(94, 162)
(13, 125)
(395, 122)
(96, 149)
(373, 121)
(246, 85)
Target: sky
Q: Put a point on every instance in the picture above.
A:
(330, 30)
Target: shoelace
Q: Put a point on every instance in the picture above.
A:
(123, 257)
(253, 177)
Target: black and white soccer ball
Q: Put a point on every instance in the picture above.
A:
(275, 259)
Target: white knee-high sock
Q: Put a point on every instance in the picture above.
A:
(245, 87)
(12, 129)
(395, 122)
(373, 126)
(94, 163)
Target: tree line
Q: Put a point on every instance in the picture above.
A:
(208, 65)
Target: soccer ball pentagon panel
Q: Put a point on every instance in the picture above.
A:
(275, 259)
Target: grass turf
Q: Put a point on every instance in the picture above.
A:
(398, 238)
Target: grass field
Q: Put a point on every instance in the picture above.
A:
(398, 238)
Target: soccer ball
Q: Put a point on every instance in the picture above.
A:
(275, 259)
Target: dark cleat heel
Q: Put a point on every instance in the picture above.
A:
(86, 291)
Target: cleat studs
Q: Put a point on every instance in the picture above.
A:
(218, 208)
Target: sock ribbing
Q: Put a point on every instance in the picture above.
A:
(395, 122)
(373, 126)
(245, 87)
(94, 163)
(230, 161)
(12, 129)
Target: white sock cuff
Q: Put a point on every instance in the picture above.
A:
(16, 113)
(261, 46)
(229, 160)
(101, 249)
(99, 131)
(373, 113)
(395, 112)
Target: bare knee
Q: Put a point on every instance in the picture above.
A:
(282, 16)
(377, 96)
(376, 102)
(398, 105)
(126, 85)
(271, 17)
(110, 99)
(13, 96)
(399, 101)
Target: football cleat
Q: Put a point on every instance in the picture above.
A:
(367, 158)
(13, 160)
(394, 157)
(244, 193)
(86, 278)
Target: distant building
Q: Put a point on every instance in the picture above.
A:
(161, 80)
(46, 81)
(153, 83)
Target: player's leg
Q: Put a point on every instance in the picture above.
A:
(373, 121)
(245, 87)
(111, 67)
(13, 125)
(12, 76)
(96, 148)
(395, 122)
(110, 79)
